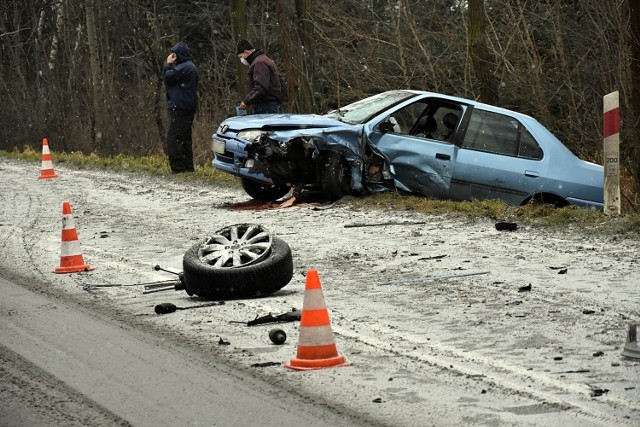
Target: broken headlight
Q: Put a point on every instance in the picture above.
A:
(250, 134)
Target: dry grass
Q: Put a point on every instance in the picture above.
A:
(534, 214)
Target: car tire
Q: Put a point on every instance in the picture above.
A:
(263, 192)
(335, 177)
(259, 279)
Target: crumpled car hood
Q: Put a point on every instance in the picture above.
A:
(282, 122)
(326, 133)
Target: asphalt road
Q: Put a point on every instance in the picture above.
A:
(63, 364)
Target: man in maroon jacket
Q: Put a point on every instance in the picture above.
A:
(264, 91)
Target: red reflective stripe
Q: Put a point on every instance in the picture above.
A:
(314, 318)
(611, 122)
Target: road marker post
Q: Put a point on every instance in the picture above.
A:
(611, 134)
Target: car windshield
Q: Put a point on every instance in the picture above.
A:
(363, 110)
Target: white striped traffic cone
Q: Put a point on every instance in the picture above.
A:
(316, 346)
(46, 170)
(71, 260)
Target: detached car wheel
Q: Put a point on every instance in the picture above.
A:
(335, 180)
(239, 261)
(263, 192)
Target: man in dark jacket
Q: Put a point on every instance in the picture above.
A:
(180, 79)
(264, 92)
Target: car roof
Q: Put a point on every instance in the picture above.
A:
(467, 101)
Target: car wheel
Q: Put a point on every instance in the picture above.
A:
(264, 192)
(239, 261)
(335, 178)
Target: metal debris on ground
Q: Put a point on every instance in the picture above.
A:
(432, 257)
(167, 307)
(290, 316)
(89, 287)
(378, 224)
(277, 336)
(170, 285)
(506, 226)
(265, 364)
(158, 268)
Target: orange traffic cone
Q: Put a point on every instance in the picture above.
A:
(71, 260)
(47, 166)
(316, 346)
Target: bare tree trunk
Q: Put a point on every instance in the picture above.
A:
(53, 52)
(482, 59)
(296, 55)
(395, 7)
(238, 10)
(432, 83)
(307, 58)
(94, 60)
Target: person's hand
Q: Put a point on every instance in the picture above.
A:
(243, 106)
(171, 58)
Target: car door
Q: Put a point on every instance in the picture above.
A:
(419, 164)
(498, 159)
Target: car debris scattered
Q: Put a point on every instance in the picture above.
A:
(289, 316)
(158, 268)
(277, 336)
(167, 307)
(432, 257)
(170, 285)
(90, 287)
(380, 224)
(265, 364)
(506, 226)
(577, 371)
(599, 392)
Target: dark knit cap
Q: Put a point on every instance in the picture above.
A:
(243, 45)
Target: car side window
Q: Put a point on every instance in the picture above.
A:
(405, 119)
(447, 119)
(500, 134)
(528, 147)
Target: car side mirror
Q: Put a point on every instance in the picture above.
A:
(386, 125)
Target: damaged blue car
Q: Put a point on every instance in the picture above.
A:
(410, 141)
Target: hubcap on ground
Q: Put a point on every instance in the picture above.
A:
(236, 246)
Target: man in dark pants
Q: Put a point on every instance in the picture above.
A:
(264, 89)
(180, 78)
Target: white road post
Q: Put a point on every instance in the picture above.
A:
(611, 133)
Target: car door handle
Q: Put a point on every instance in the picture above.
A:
(532, 174)
(443, 156)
